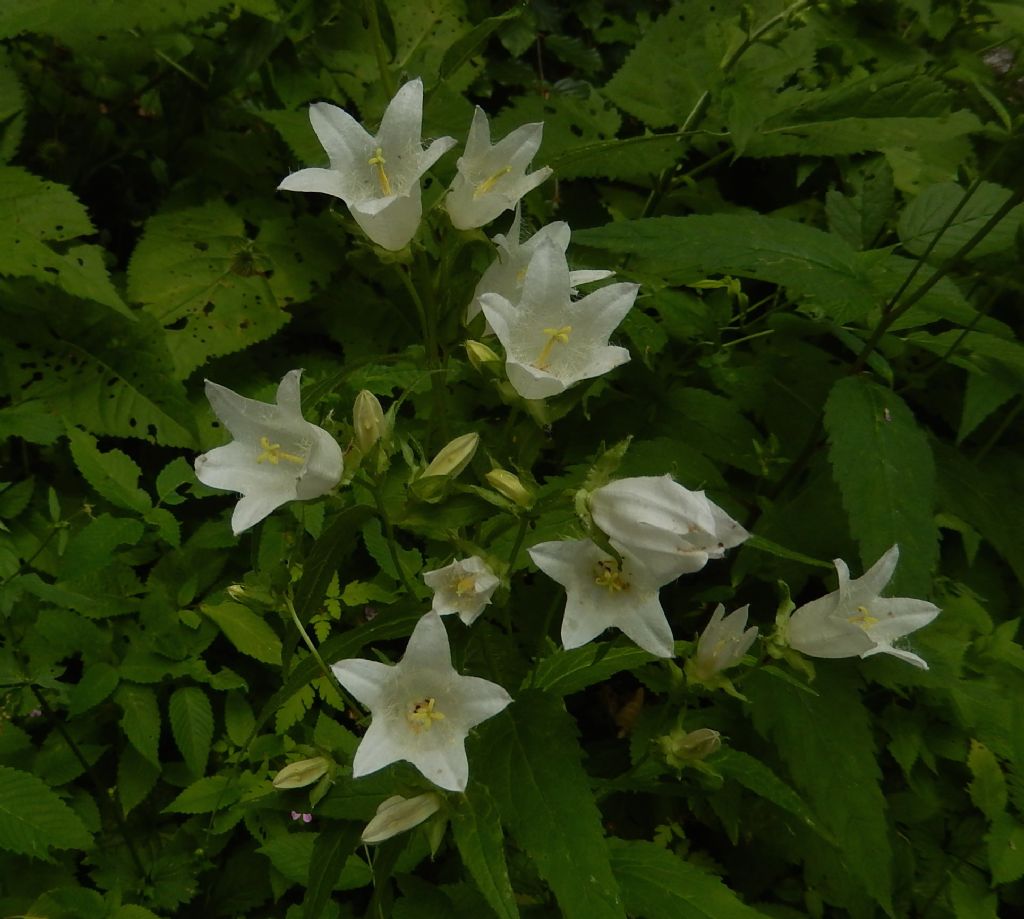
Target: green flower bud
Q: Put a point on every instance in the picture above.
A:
(301, 773)
(454, 456)
(482, 358)
(681, 748)
(510, 485)
(368, 420)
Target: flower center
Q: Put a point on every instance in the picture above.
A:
(273, 454)
(377, 160)
(555, 337)
(422, 714)
(487, 184)
(863, 618)
(609, 576)
(465, 585)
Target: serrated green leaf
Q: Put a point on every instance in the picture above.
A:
(987, 787)
(34, 820)
(113, 474)
(191, 720)
(205, 796)
(98, 681)
(92, 547)
(331, 851)
(530, 761)
(926, 215)
(245, 630)
(476, 826)
(30, 421)
(884, 468)
(1006, 850)
(238, 718)
(815, 267)
(140, 720)
(136, 777)
(566, 672)
(827, 742)
(321, 564)
(659, 885)
(34, 213)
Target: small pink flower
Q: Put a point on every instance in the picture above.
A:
(305, 818)
(36, 713)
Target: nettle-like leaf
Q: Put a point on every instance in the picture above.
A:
(112, 474)
(245, 630)
(217, 286)
(38, 222)
(530, 762)
(826, 741)
(884, 468)
(815, 267)
(476, 825)
(33, 819)
(191, 720)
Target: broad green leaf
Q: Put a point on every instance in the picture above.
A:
(321, 564)
(140, 719)
(566, 672)
(472, 42)
(884, 468)
(751, 773)
(1006, 850)
(35, 213)
(815, 267)
(929, 211)
(331, 851)
(31, 422)
(238, 718)
(98, 681)
(987, 787)
(620, 158)
(107, 375)
(215, 290)
(205, 796)
(476, 826)
(113, 474)
(136, 777)
(827, 742)
(93, 547)
(715, 427)
(292, 855)
(245, 630)
(192, 726)
(656, 884)
(529, 759)
(982, 396)
(12, 116)
(34, 820)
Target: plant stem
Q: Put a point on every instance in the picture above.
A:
(328, 674)
(370, 6)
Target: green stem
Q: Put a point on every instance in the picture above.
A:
(370, 6)
(328, 674)
(389, 531)
(524, 526)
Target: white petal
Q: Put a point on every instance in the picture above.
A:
(252, 508)
(325, 181)
(445, 766)
(649, 628)
(478, 700)
(428, 648)
(871, 584)
(289, 395)
(403, 119)
(903, 655)
(392, 225)
(381, 745)
(233, 467)
(814, 630)
(586, 276)
(323, 468)
(899, 616)
(546, 286)
(600, 312)
(369, 681)
(346, 141)
(532, 383)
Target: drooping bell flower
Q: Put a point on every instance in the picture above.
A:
(276, 455)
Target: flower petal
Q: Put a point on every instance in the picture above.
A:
(368, 681)
(346, 141)
(325, 181)
(428, 647)
(380, 746)
(252, 508)
(390, 222)
(402, 124)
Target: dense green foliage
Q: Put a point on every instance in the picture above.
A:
(821, 203)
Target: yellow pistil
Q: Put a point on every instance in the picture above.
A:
(610, 577)
(378, 160)
(422, 714)
(487, 184)
(273, 454)
(465, 585)
(555, 336)
(863, 618)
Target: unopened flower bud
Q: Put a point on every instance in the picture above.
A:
(398, 814)
(681, 748)
(301, 773)
(454, 456)
(482, 358)
(510, 485)
(367, 420)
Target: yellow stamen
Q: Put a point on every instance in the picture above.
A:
(422, 714)
(465, 585)
(273, 454)
(610, 577)
(863, 618)
(487, 184)
(555, 336)
(382, 177)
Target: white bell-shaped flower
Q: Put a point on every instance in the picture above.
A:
(422, 708)
(552, 341)
(464, 587)
(492, 177)
(723, 642)
(856, 621)
(601, 593)
(276, 455)
(671, 528)
(506, 274)
(377, 176)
